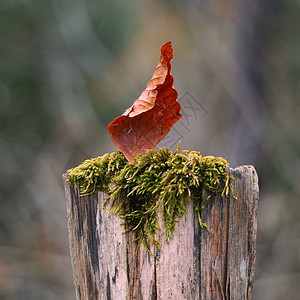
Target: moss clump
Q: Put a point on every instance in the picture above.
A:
(160, 180)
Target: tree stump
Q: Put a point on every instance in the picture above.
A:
(196, 264)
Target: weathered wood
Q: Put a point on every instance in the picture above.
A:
(194, 265)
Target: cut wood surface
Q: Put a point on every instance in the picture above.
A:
(194, 265)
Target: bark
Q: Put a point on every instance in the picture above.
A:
(194, 265)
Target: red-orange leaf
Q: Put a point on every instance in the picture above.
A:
(143, 125)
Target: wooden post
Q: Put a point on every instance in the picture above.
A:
(194, 265)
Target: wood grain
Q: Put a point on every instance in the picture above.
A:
(194, 265)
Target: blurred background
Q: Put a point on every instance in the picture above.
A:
(68, 68)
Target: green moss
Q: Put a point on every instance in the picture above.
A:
(159, 181)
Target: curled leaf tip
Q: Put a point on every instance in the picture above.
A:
(167, 51)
